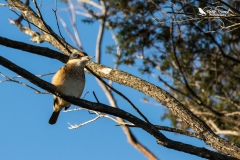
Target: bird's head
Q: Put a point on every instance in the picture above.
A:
(78, 59)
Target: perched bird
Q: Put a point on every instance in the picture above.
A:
(69, 80)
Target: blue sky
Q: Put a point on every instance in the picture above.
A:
(25, 132)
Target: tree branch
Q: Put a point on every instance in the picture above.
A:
(100, 33)
(168, 100)
(47, 32)
(134, 82)
(161, 139)
(43, 51)
(130, 136)
(160, 95)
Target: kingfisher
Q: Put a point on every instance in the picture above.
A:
(69, 80)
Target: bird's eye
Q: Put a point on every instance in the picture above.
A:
(74, 55)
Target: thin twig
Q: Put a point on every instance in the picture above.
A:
(224, 132)
(24, 84)
(38, 10)
(120, 94)
(38, 75)
(67, 30)
(59, 31)
(179, 131)
(98, 115)
(95, 97)
(175, 130)
(82, 124)
(44, 29)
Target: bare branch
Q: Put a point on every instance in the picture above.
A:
(55, 13)
(43, 51)
(119, 93)
(175, 130)
(15, 81)
(149, 89)
(202, 152)
(38, 10)
(47, 32)
(98, 115)
(100, 33)
(67, 30)
(74, 25)
(224, 132)
(84, 14)
(85, 123)
(94, 4)
(160, 95)
(35, 36)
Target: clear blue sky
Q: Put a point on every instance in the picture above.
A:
(24, 130)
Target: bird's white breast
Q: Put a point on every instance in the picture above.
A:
(73, 87)
(70, 80)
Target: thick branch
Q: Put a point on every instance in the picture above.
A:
(161, 139)
(143, 86)
(43, 51)
(169, 101)
(166, 99)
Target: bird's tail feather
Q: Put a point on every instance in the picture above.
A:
(54, 117)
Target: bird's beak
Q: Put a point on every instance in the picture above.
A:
(90, 57)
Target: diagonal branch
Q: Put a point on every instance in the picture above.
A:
(43, 51)
(15, 81)
(161, 139)
(134, 82)
(169, 101)
(174, 130)
(63, 58)
(163, 97)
